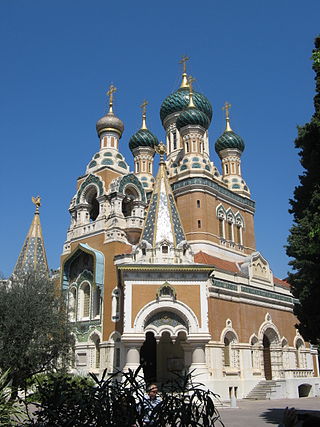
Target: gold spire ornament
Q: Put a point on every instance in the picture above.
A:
(161, 149)
(226, 108)
(190, 82)
(183, 61)
(37, 202)
(111, 91)
(143, 106)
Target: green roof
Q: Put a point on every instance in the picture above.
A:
(229, 139)
(179, 101)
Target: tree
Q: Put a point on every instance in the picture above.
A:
(35, 334)
(304, 239)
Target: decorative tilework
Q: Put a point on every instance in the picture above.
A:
(205, 181)
(148, 231)
(166, 318)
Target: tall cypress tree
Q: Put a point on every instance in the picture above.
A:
(304, 238)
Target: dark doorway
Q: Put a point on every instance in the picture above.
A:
(148, 358)
(267, 358)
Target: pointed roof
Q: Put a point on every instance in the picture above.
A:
(162, 221)
(33, 255)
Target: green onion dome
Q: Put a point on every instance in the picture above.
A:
(110, 122)
(179, 101)
(143, 138)
(229, 139)
(192, 116)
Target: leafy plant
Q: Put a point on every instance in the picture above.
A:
(10, 411)
(122, 403)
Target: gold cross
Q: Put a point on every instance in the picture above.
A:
(190, 81)
(144, 107)
(183, 61)
(226, 107)
(111, 91)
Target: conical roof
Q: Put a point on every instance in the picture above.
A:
(33, 255)
(162, 222)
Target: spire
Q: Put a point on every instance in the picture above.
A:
(33, 255)
(162, 221)
(227, 107)
(190, 82)
(111, 91)
(143, 106)
(183, 61)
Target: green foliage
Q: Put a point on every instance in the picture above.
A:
(10, 412)
(304, 239)
(35, 334)
(110, 402)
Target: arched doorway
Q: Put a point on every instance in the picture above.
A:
(267, 358)
(162, 353)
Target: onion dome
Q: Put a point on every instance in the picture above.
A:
(192, 115)
(229, 139)
(110, 122)
(143, 138)
(179, 101)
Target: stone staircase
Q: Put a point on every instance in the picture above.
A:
(263, 390)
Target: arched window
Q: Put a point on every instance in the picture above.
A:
(85, 300)
(96, 302)
(91, 199)
(239, 227)
(230, 354)
(174, 135)
(128, 202)
(221, 215)
(230, 222)
(299, 354)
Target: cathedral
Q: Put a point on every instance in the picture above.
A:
(162, 269)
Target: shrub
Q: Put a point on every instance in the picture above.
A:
(111, 402)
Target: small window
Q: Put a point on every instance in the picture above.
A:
(199, 223)
(221, 234)
(144, 252)
(165, 249)
(174, 140)
(198, 203)
(227, 169)
(230, 231)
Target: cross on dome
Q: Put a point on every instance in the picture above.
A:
(143, 106)
(111, 91)
(226, 108)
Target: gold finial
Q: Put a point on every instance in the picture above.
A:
(190, 82)
(183, 61)
(161, 149)
(37, 202)
(227, 107)
(143, 106)
(111, 91)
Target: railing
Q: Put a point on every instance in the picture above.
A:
(298, 373)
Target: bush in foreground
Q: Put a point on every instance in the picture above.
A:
(110, 402)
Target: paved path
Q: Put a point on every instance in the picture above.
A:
(257, 413)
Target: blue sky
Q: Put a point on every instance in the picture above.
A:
(59, 57)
